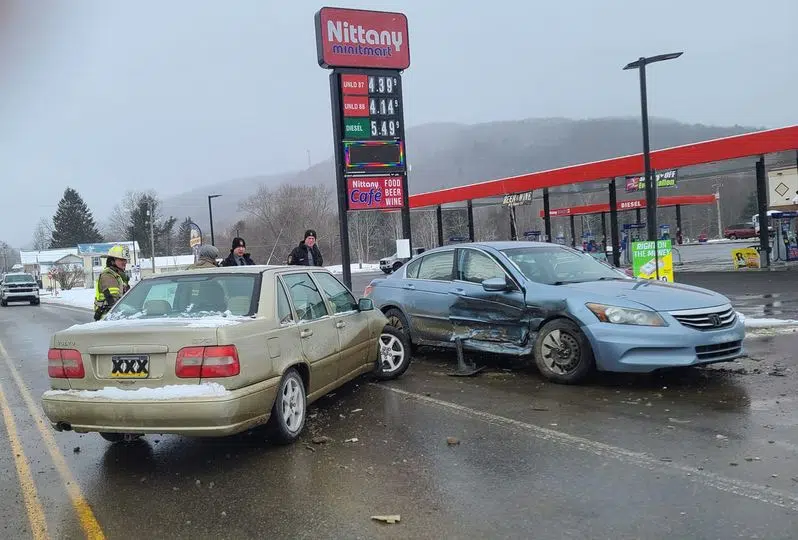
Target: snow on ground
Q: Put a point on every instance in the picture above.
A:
(173, 391)
(367, 267)
(82, 298)
(766, 323)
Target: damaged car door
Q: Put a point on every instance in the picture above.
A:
(488, 311)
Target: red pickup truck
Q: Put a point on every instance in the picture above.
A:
(741, 230)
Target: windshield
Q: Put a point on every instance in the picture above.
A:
(558, 265)
(189, 297)
(19, 278)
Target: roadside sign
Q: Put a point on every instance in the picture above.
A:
(366, 50)
(645, 263)
(745, 258)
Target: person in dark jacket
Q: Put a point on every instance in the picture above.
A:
(307, 253)
(238, 254)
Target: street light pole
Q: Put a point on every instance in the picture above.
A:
(651, 188)
(210, 215)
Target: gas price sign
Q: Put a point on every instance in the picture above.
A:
(372, 118)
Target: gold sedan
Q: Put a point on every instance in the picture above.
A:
(216, 352)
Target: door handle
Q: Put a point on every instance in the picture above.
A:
(409, 286)
(459, 292)
(305, 333)
(340, 324)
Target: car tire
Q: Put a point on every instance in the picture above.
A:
(563, 353)
(732, 237)
(289, 411)
(396, 266)
(387, 270)
(394, 355)
(34, 302)
(3, 303)
(398, 320)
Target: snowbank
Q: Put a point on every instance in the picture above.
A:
(81, 298)
(172, 391)
(766, 322)
(367, 267)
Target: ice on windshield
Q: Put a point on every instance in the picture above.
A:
(192, 297)
(559, 265)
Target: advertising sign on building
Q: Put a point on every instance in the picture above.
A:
(645, 260)
(374, 192)
(665, 179)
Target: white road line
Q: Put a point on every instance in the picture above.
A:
(722, 483)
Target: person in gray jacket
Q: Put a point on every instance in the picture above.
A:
(206, 257)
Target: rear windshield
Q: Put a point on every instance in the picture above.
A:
(189, 297)
(19, 278)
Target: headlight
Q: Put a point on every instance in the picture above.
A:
(621, 315)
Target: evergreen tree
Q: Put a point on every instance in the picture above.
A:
(184, 237)
(138, 227)
(751, 208)
(73, 222)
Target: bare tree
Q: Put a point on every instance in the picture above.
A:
(279, 218)
(363, 228)
(43, 234)
(424, 228)
(68, 275)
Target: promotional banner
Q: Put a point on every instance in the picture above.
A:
(666, 179)
(745, 258)
(645, 262)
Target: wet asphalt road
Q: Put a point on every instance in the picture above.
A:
(698, 454)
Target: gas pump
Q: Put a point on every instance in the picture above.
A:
(786, 242)
(631, 233)
(664, 231)
(532, 236)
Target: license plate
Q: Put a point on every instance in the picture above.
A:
(133, 366)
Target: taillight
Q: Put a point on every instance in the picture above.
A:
(207, 362)
(65, 364)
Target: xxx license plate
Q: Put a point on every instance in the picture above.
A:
(133, 366)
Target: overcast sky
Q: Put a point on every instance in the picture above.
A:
(111, 95)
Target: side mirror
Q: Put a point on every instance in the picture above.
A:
(495, 285)
(365, 304)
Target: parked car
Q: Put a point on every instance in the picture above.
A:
(392, 263)
(555, 305)
(740, 230)
(215, 352)
(19, 287)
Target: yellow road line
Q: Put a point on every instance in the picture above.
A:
(85, 514)
(38, 523)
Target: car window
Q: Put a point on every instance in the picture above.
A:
(307, 300)
(476, 267)
(437, 266)
(341, 299)
(412, 269)
(19, 278)
(188, 296)
(284, 314)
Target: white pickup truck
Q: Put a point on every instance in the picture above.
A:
(19, 287)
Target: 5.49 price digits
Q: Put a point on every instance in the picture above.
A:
(384, 128)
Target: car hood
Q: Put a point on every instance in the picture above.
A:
(656, 295)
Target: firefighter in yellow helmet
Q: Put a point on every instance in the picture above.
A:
(113, 281)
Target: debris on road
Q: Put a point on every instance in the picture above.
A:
(76, 450)
(321, 439)
(353, 439)
(388, 519)
(452, 441)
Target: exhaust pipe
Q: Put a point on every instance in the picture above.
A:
(63, 426)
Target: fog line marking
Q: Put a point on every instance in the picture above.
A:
(88, 522)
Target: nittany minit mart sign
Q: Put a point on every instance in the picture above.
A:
(361, 39)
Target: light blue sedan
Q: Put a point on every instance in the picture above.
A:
(568, 311)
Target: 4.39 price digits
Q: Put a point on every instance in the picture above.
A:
(382, 84)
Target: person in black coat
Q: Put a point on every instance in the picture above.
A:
(307, 253)
(238, 255)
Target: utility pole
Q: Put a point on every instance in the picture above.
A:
(717, 203)
(151, 214)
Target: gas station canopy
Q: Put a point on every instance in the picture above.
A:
(599, 208)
